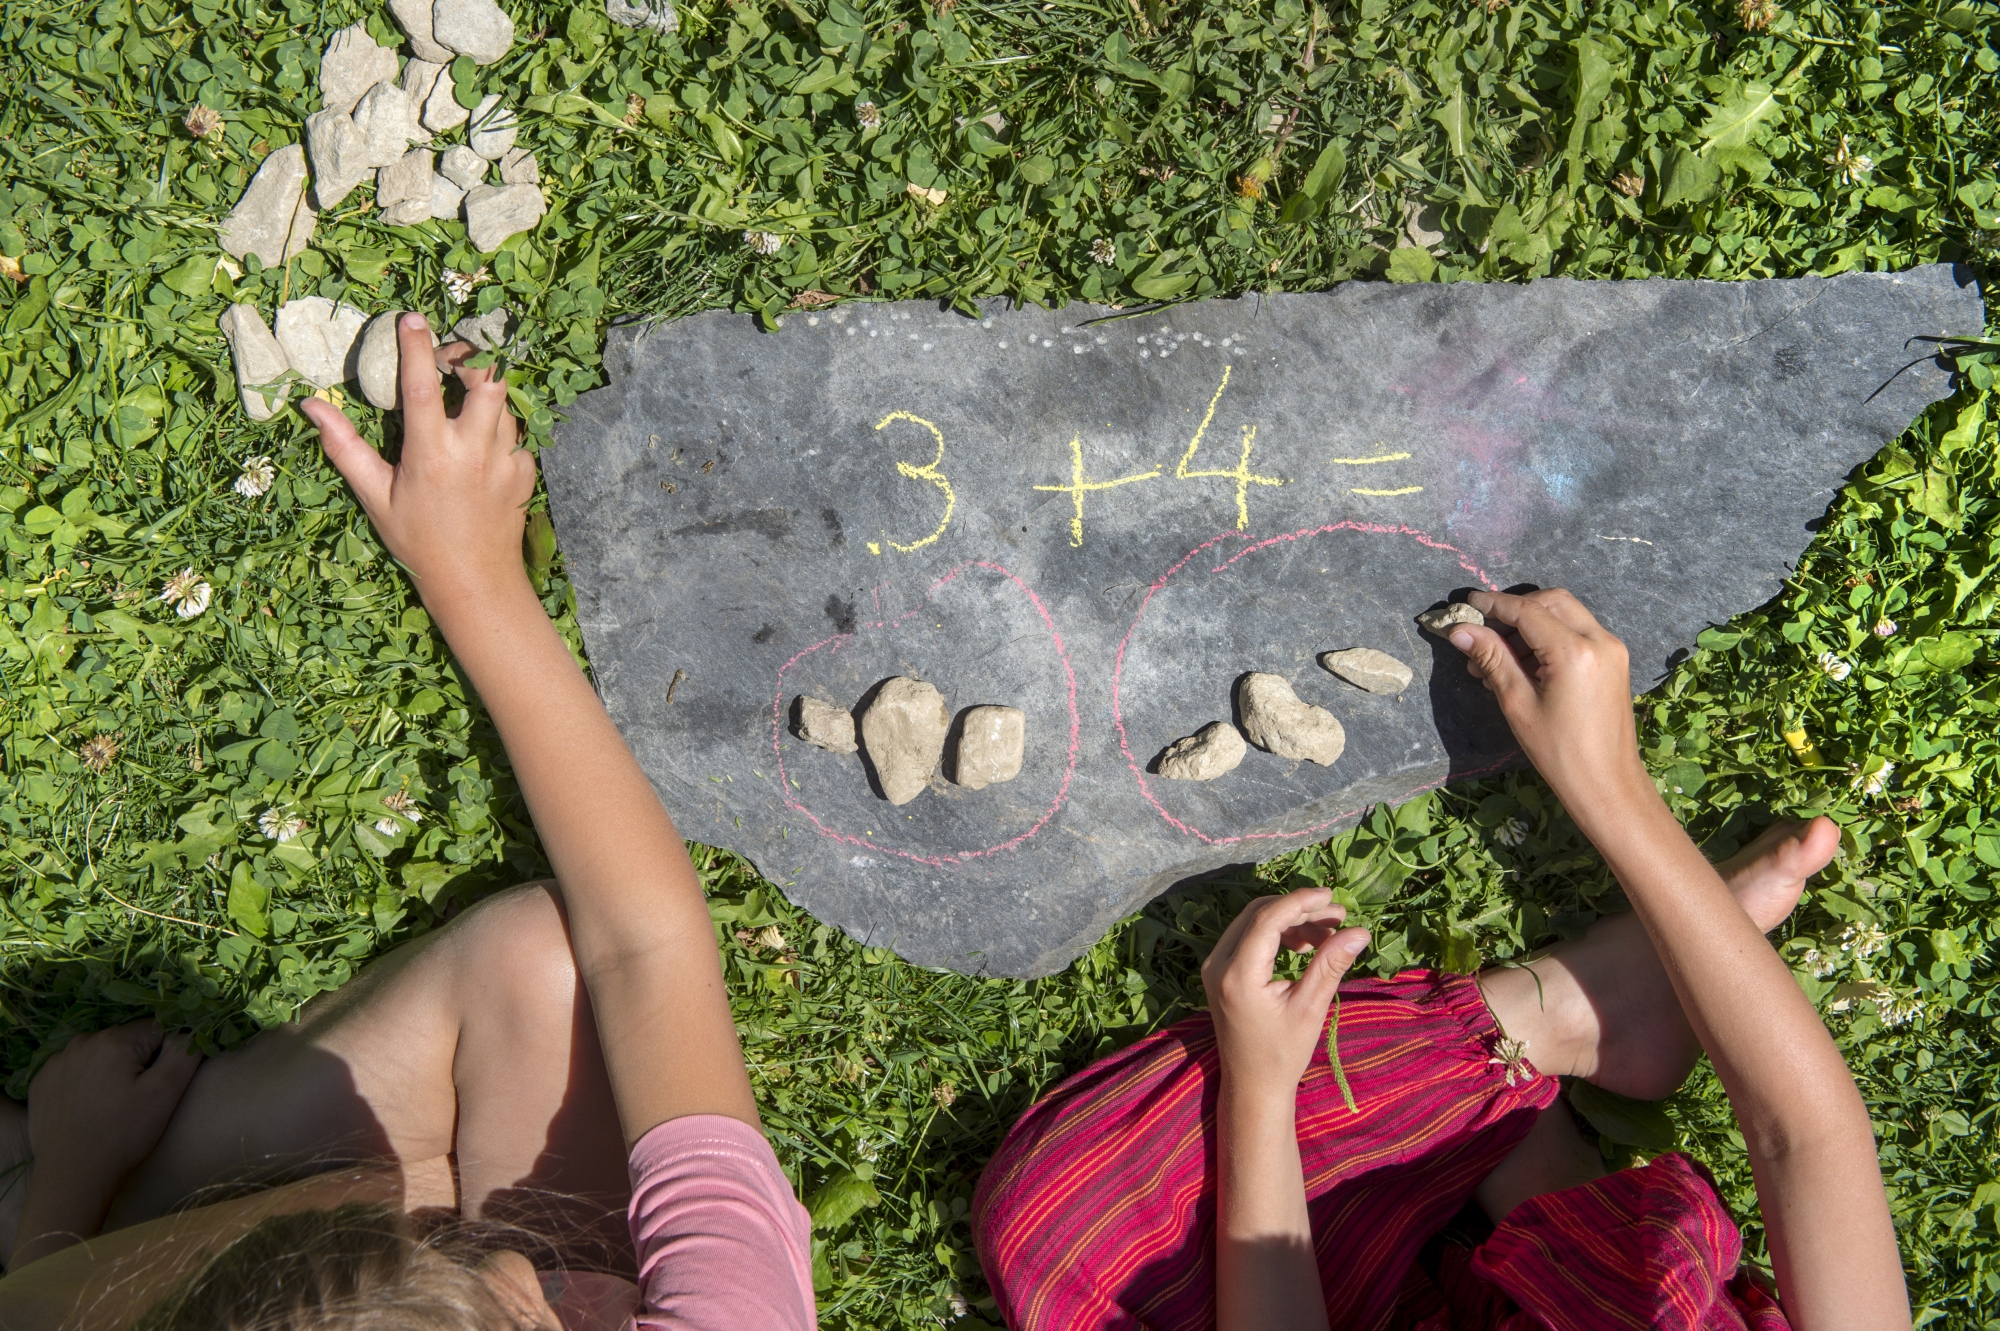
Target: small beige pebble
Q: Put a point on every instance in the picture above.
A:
(991, 742)
(1366, 668)
(1205, 755)
(1278, 721)
(825, 726)
(1441, 621)
(904, 728)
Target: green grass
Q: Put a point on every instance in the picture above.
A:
(314, 683)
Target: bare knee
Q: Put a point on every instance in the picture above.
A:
(517, 941)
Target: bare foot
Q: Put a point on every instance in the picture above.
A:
(1601, 1007)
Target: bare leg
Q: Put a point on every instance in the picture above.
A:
(469, 1057)
(1602, 1008)
(16, 1163)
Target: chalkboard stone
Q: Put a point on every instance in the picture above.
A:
(1106, 519)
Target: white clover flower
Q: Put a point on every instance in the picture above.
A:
(257, 478)
(1863, 940)
(959, 1307)
(459, 286)
(1512, 832)
(280, 826)
(1835, 668)
(868, 115)
(402, 806)
(187, 593)
(1513, 1056)
(1103, 251)
(1819, 963)
(868, 1149)
(1885, 628)
(1897, 1010)
(1873, 783)
(764, 243)
(1851, 165)
(769, 938)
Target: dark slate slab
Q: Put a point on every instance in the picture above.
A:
(763, 516)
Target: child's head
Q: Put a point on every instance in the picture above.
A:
(354, 1268)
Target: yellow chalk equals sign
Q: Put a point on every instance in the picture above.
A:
(1362, 462)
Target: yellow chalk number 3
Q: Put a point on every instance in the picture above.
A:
(928, 472)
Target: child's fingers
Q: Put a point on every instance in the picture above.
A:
(350, 454)
(1535, 622)
(173, 1067)
(485, 404)
(1492, 660)
(1561, 603)
(1329, 967)
(417, 374)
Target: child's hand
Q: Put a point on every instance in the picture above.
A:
(1564, 685)
(453, 508)
(1267, 1029)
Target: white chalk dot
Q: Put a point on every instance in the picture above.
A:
(812, 321)
(1102, 340)
(913, 337)
(874, 332)
(1003, 346)
(1077, 350)
(1225, 341)
(1166, 352)
(1146, 353)
(852, 331)
(1067, 329)
(927, 346)
(985, 323)
(1142, 339)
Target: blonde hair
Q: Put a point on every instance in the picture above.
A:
(353, 1268)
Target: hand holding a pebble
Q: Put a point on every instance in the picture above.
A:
(452, 507)
(1565, 686)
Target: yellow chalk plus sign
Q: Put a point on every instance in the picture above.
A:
(1080, 485)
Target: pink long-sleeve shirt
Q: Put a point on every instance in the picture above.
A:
(722, 1242)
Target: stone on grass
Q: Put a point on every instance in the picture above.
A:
(1278, 721)
(273, 219)
(260, 361)
(903, 729)
(991, 742)
(1366, 668)
(420, 82)
(403, 191)
(1205, 755)
(320, 338)
(519, 167)
(493, 214)
(487, 331)
(351, 65)
(825, 726)
(446, 198)
(1441, 621)
(493, 128)
(387, 121)
(462, 166)
(658, 15)
(441, 110)
(478, 28)
(378, 360)
(339, 154)
(414, 18)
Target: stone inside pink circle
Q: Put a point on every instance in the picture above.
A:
(955, 858)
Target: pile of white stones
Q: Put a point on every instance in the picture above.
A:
(373, 113)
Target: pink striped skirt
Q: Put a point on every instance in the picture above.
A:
(1098, 1211)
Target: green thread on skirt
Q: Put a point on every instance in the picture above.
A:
(1333, 1055)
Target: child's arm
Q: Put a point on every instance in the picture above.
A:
(1562, 682)
(1266, 1031)
(452, 512)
